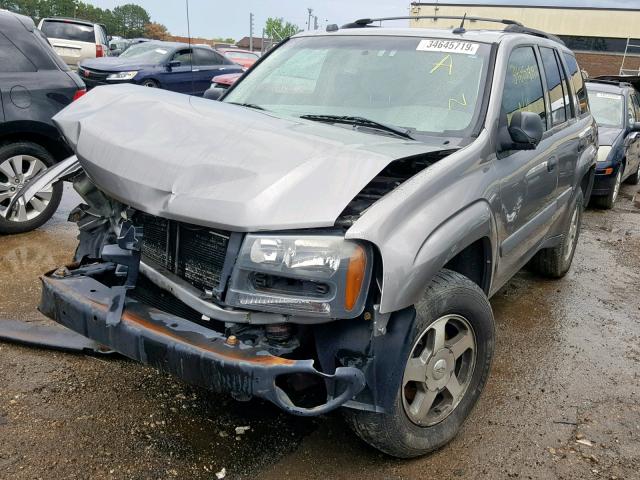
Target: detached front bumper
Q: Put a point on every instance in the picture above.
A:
(190, 351)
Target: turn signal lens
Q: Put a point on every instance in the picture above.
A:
(355, 276)
(608, 171)
(78, 94)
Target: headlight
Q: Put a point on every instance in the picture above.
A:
(312, 275)
(122, 75)
(603, 153)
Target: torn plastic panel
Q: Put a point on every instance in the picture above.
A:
(192, 352)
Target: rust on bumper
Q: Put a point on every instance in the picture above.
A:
(192, 352)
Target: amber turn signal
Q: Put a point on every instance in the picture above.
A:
(608, 171)
(355, 277)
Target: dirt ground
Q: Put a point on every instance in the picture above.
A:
(562, 401)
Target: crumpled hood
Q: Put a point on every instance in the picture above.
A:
(221, 165)
(608, 135)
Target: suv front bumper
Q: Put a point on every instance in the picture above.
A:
(190, 351)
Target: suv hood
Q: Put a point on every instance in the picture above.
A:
(221, 165)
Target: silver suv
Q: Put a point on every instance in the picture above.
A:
(329, 233)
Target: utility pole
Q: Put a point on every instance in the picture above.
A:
(251, 32)
(315, 22)
(310, 10)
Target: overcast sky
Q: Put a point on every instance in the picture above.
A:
(230, 18)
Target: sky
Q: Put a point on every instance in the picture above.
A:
(224, 18)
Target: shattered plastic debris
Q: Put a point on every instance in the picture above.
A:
(221, 474)
(242, 430)
(584, 441)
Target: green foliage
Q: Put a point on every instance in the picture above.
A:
(125, 20)
(277, 29)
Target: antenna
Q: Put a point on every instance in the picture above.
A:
(461, 29)
(189, 42)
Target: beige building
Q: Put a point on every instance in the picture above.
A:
(599, 36)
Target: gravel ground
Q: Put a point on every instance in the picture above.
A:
(562, 400)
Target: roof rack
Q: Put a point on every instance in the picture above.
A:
(512, 26)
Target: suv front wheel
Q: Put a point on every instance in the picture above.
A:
(19, 162)
(445, 372)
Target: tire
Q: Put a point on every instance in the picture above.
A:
(607, 201)
(555, 262)
(149, 83)
(635, 178)
(20, 161)
(399, 432)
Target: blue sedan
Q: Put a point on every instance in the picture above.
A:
(172, 66)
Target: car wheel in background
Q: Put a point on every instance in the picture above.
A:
(555, 262)
(149, 83)
(19, 162)
(444, 374)
(607, 201)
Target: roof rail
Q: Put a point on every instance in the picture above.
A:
(366, 22)
(512, 26)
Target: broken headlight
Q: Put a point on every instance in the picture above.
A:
(310, 275)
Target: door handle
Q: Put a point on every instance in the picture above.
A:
(551, 164)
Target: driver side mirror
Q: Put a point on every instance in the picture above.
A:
(173, 64)
(214, 93)
(525, 131)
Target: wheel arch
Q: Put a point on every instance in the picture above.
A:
(43, 134)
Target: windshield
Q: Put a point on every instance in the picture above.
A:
(68, 31)
(424, 85)
(146, 52)
(606, 108)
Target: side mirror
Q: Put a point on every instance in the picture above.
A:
(173, 64)
(214, 93)
(525, 131)
(113, 46)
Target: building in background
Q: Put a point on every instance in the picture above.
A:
(605, 40)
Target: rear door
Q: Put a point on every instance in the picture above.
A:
(72, 41)
(208, 65)
(529, 177)
(632, 142)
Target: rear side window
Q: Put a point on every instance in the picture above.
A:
(582, 104)
(12, 59)
(68, 31)
(557, 87)
(206, 57)
(523, 85)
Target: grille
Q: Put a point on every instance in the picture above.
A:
(195, 254)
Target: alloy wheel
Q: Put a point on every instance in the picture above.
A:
(616, 187)
(439, 370)
(572, 233)
(15, 172)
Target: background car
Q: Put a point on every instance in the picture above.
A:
(226, 80)
(245, 58)
(75, 40)
(615, 104)
(167, 65)
(34, 85)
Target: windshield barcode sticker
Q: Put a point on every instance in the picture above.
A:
(449, 46)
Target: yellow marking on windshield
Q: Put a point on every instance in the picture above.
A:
(462, 102)
(442, 63)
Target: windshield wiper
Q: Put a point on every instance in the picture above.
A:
(359, 121)
(248, 105)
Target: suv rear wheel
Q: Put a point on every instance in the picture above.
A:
(445, 372)
(19, 162)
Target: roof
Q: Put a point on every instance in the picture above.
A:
(71, 20)
(557, 4)
(23, 19)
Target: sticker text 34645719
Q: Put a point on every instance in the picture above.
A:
(449, 46)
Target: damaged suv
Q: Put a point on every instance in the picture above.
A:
(329, 233)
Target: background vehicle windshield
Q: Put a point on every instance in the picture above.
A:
(426, 85)
(146, 52)
(606, 108)
(68, 31)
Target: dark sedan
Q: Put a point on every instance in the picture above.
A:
(616, 107)
(172, 66)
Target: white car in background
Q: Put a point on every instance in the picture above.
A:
(76, 40)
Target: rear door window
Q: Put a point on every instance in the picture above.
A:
(523, 90)
(12, 59)
(68, 30)
(207, 58)
(575, 75)
(557, 88)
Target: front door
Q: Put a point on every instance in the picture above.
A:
(179, 78)
(528, 177)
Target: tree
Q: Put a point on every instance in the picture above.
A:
(156, 31)
(277, 29)
(130, 20)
